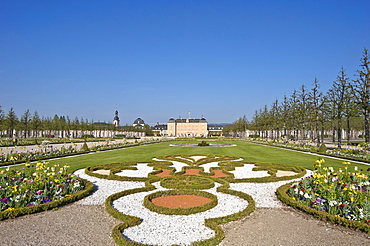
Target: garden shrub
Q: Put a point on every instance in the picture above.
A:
(322, 148)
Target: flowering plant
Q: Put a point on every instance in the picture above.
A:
(337, 192)
(30, 187)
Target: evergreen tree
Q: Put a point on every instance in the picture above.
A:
(11, 120)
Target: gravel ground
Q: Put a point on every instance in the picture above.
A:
(70, 225)
(86, 225)
(286, 226)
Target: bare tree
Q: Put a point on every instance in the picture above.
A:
(362, 91)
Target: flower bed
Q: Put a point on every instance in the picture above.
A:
(335, 195)
(43, 188)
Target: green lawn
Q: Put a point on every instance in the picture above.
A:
(247, 151)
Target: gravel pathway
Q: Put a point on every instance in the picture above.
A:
(87, 225)
(73, 224)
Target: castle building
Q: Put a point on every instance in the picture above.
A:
(116, 119)
(187, 127)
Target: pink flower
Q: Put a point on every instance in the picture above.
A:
(39, 192)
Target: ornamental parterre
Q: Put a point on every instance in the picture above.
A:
(205, 176)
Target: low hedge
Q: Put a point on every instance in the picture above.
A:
(285, 198)
(187, 182)
(89, 187)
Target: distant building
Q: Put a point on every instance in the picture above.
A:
(116, 119)
(187, 127)
(215, 129)
(139, 123)
(160, 130)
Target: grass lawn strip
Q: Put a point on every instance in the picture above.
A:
(319, 155)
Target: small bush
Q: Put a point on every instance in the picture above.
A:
(85, 147)
(322, 148)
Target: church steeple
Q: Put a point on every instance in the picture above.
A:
(116, 119)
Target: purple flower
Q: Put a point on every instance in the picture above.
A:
(46, 200)
(32, 204)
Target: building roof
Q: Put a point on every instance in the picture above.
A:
(160, 127)
(139, 121)
(116, 116)
(202, 120)
(215, 127)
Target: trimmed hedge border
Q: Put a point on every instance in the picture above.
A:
(214, 224)
(281, 193)
(89, 187)
(187, 182)
(179, 211)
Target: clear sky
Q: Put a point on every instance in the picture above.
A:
(161, 59)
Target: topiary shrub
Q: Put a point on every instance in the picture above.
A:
(322, 148)
(85, 147)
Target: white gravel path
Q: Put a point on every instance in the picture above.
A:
(142, 171)
(263, 193)
(159, 229)
(208, 166)
(247, 172)
(176, 164)
(105, 188)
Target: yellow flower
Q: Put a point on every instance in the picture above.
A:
(9, 209)
(346, 163)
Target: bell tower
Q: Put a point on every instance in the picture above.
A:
(116, 119)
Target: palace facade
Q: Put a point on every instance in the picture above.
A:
(187, 127)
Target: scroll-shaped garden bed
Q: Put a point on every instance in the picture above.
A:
(199, 176)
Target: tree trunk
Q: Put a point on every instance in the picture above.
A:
(348, 131)
(367, 127)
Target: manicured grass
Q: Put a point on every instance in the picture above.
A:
(247, 151)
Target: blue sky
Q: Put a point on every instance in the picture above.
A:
(162, 59)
